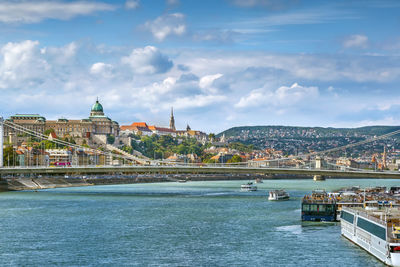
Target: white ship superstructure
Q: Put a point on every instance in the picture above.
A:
(275, 195)
(377, 231)
(248, 187)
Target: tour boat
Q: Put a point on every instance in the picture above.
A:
(248, 187)
(376, 231)
(278, 195)
(318, 207)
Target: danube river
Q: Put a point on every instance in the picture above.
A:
(173, 224)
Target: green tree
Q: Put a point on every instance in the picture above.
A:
(110, 139)
(127, 149)
(234, 159)
(48, 131)
(210, 161)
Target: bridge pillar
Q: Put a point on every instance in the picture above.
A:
(319, 178)
(1, 141)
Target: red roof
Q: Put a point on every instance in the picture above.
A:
(139, 124)
(128, 127)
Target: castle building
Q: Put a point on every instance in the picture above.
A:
(96, 124)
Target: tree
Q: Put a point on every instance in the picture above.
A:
(210, 161)
(128, 149)
(234, 159)
(110, 139)
(48, 131)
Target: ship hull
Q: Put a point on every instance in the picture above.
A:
(353, 227)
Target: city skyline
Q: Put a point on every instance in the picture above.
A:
(219, 64)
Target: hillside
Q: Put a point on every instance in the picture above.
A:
(292, 139)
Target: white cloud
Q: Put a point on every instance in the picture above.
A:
(197, 101)
(208, 80)
(165, 25)
(22, 64)
(389, 120)
(283, 97)
(132, 4)
(148, 60)
(61, 55)
(33, 12)
(142, 81)
(356, 41)
(102, 69)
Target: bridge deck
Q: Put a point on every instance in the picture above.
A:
(195, 170)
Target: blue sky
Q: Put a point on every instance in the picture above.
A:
(218, 63)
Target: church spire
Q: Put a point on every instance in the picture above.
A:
(172, 120)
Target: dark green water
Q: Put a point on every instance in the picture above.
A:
(172, 224)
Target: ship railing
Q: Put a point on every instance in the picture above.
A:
(393, 240)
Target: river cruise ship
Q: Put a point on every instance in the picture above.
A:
(377, 230)
(318, 206)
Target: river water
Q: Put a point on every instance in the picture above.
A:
(173, 224)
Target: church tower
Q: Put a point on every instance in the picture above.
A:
(172, 120)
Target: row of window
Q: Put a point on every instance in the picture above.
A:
(372, 228)
(347, 216)
(319, 207)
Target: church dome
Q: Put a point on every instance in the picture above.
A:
(97, 107)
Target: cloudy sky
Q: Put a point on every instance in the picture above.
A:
(219, 63)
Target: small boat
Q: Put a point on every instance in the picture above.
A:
(248, 187)
(278, 195)
(258, 181)
(181, 181)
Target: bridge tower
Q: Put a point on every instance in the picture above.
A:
(318, 166)
(1, 141)
(318, 162)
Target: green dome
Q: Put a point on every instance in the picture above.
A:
(97, 107)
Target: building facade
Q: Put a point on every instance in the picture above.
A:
(96, 124)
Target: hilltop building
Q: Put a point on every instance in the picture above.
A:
(97, 125)
(143, 129)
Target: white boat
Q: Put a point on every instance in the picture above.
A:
(248, 187)
(376, 231)
(278, 195)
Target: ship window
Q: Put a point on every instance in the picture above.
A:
(347, 216)
(322, 208)
(306, 207)
(313, 207)
(372, 228)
